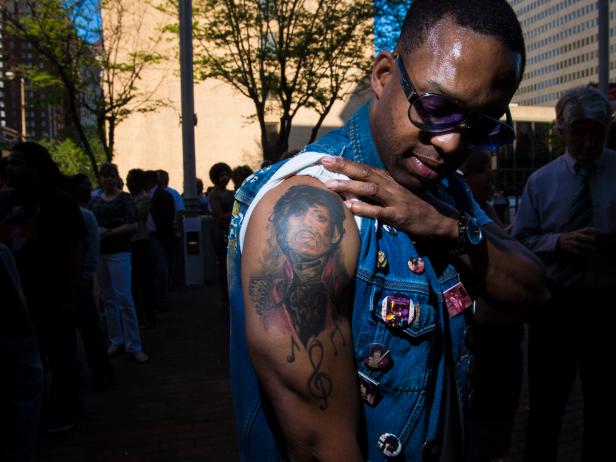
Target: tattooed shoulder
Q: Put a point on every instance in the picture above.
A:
(295, 286)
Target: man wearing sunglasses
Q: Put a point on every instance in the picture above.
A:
(393, 165)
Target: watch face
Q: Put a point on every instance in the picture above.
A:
(473, 232)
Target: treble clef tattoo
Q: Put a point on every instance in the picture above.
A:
(319, 384)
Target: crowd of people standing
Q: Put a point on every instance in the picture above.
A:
(78, 260)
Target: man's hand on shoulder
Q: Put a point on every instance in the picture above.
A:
(388, 201)
(299, 257)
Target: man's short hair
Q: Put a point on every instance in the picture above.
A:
(495, 18)
(109, 168)
(39, 159)
(136, 179)
(150, 179)
(297, 201)
(582, 103)
(217, 169)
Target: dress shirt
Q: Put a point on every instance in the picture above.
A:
(178, 202)
(545, 208)
(150, 225)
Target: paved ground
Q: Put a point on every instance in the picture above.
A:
(178, 407)
(570, 448)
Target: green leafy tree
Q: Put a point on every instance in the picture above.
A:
(93, 69)
(283, 55)
(71, 158)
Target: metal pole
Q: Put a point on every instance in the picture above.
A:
(24, 132)
(604, 46)
(188, 111)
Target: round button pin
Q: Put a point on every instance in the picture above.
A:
(391, 230)
(376, 356)
(381, 260)
(390, 445)
(397, 311)
(416, 265)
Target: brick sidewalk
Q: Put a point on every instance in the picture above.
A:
(570, 447)
(178, 407)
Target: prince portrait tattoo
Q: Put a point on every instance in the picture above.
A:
(301, 271)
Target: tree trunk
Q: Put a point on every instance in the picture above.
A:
(111, 139)
(268, 145)
(283, 135)
(75, 116)
(322, 116)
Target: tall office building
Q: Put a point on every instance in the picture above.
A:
(562, 47)
(42, 119)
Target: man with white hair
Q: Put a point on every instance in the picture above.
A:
(567, 216)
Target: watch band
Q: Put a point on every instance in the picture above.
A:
(462, 244)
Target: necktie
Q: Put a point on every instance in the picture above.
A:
(580, 214)
(571, 271)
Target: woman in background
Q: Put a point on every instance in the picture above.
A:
(116, 215)
(221, 203)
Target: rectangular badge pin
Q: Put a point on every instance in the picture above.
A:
(457, 299)
(368, 388)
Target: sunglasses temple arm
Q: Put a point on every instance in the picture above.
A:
(409, 91)
(510, 121)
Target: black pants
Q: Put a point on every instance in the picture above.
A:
(143, 282)
(576, 335)
(94, 341)
(497, 380)
(57, 336)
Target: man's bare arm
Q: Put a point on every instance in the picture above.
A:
(298, 261)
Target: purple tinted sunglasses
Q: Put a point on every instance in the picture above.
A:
(435, 113)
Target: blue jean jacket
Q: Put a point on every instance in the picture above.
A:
(412, 391)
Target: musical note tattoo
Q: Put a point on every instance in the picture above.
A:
(291, 357)
(331, 338)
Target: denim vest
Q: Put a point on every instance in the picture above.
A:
(412, 391)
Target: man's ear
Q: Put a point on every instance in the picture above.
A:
(382, 71)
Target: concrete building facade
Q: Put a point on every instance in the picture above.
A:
(225, 130)
(562, 47)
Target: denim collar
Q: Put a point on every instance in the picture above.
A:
(360, 135)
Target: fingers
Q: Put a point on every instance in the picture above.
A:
(576, 243)
(365, 181)
(585, 237)
(347, 167)
(357, 188)
(589, 232)
(585, 249)
(364, 209)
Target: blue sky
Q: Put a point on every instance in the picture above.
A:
(387, 23)
(90, 20)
